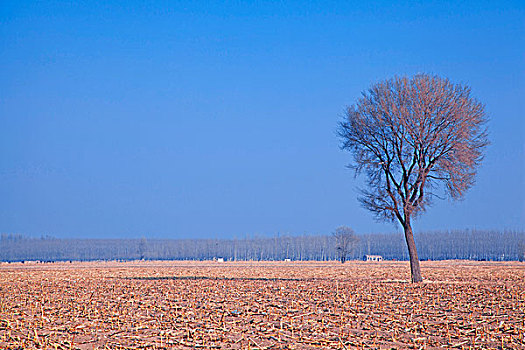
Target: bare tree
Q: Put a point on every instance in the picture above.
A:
(521, 251)
(345, 240)
(415, 138)
(143, 247)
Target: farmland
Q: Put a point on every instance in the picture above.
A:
(254, 305)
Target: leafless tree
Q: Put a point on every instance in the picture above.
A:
(143, 247)
(521, 250)
(345, 240)
(415, 138)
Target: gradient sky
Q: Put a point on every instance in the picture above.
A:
(188, 119)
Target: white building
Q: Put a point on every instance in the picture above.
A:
(373, 258)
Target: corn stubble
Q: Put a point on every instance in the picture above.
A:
(261, 305)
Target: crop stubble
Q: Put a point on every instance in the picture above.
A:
(271, 305)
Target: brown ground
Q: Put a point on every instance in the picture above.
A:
(294, 305)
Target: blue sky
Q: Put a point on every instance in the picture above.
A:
(189, 119)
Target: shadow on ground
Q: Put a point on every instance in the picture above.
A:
(176, 278)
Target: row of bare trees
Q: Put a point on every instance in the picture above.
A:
(468, 244)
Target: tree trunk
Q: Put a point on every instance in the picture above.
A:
(415, 270)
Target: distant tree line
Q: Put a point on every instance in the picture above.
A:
(439, 245)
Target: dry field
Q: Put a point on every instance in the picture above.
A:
(261, 305)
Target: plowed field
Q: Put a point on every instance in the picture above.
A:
(261, 305)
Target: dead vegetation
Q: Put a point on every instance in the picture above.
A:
(310, 305)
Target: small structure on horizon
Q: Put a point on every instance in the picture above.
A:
(373, 258)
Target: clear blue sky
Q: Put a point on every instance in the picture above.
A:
(189, 119)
